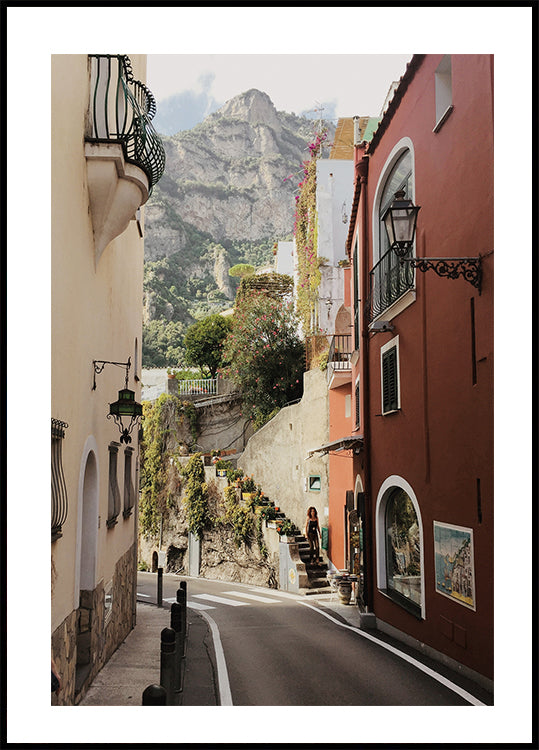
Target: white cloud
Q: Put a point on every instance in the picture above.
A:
(358, 84)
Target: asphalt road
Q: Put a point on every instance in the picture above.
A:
(284, 650)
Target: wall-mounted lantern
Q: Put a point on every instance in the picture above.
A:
(125, 406)
(400, 223)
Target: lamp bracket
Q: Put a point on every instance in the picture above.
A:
(452, 268)
(99, 366)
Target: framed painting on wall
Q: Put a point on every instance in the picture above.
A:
(454, 563)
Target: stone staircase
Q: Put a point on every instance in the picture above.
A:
(317, 574)
(318, 582)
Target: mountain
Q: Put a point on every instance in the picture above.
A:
(225, 198)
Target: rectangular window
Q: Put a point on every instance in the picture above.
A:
(355, 269)
(347, 406)
(114, 490)
(443, 92)
(358, 403)
(129, 490)
(390, 376)
(315, 483)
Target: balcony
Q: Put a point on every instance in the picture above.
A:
(389, 281)
(125, 156)
(339, 369)
(340, 352)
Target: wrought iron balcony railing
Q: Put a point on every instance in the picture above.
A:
(121, 111)
(340, 351)
(389, 280)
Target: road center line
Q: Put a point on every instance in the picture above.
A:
(225, 696)
(414, 662)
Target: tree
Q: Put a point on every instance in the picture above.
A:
(264, 354)
(203, 343)
(241, 270)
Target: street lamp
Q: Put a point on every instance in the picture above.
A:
(400, 223)
(400, 220)
(125, 406)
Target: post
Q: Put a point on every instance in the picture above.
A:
(168, 655)
(176, 625)
(181, 599)
(154, 695)
(159, 587)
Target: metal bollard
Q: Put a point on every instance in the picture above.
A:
(168, 656)
(176, 625)
(159, 587)
(183, 587)
(181, 599)
(154, 695)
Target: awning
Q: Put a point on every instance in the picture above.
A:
(339, 445)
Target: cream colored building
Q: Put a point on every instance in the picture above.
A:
(105, 159)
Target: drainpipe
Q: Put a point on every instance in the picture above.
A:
(363, 170)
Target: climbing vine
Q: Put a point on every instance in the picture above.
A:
(306, 239)
(195, 498)
(160, 480)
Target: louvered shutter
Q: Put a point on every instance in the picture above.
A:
(390, 396)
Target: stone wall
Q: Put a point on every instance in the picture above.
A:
(277, 454)
(87, 638)
(221, 559)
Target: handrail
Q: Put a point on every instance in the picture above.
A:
(121, 110)
(389, 280)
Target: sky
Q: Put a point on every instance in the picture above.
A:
(325, 32)
(189, 87)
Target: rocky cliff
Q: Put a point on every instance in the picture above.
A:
(224, 199)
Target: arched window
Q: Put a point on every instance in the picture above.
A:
(402, 549)
(390, 279)
(399, 179)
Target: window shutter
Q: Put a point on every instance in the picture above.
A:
(390, 400)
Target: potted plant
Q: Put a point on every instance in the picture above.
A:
(222, 467)
(286, 530)
(234, 476)
(248, 488)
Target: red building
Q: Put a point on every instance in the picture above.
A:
(412, 419)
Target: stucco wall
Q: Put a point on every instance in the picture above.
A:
(96, 315)
(276, 455)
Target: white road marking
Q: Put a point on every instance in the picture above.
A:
(225, 696)
(280, 594)
(171, 600)
(220, 600)
(146, 595)
(199, 605)
(440, 678)
(254, 597)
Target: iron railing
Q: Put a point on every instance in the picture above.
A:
(121, 110)
(389, 280)
(197, 387)
(339, 351)
(58, 483)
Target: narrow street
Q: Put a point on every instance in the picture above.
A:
(282, 649)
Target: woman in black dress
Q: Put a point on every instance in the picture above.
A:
(312, 532)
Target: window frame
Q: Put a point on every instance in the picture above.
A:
(114, 500)
(385, 493)
(310, 483)
(385, 352)
(443, 91)
(379, 242)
